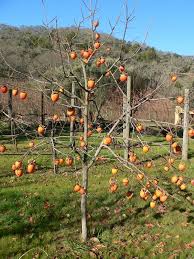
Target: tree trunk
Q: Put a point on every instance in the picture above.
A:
(185, 126)
(85, 164)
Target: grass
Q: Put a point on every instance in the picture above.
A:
(42, 213)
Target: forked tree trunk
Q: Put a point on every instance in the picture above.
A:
(185, 126)
(85, 165)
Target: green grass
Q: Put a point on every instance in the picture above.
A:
(41, 212)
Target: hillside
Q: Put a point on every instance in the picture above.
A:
(33, 49)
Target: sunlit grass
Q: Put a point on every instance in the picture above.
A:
(41, 211)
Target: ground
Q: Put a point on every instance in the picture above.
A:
(42, 213)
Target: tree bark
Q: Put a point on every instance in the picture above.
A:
(85, 164)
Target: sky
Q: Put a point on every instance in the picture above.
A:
(169, 23)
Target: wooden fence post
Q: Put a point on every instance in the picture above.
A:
(10, 113)
(185, 126)
(126, 124)
(72, 104)
(53, 148)
(42, 109)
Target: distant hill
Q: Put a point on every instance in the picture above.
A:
(33, 49)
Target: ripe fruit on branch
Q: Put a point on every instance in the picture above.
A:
(56, 162)
(174, 179)
(152, 204)
(18, 164)
(99, 129)
(166, 168)
(31, 168)
(132, 158)
(140, 176)
(71, 111)
(90, 126)
(97, 36)
(169, 137)
(108, 73)
(14, 92)
(97, 45)
(180, 99)
(158, 193)
(183, 186)
(69, 161)
(123, 77)
(177, 149)
(174, 145)
(125, 181)
(163, 198)
(121, 68)
(170, 160)
(182, 167)
(41, 130)
(77, 188)
(31, 144)
(191, 133)
(89, 134)
(55, 118)
(81, 121)
(82, 144)
(23, 95)
(61, 161)
(86, 54)
(102, 60)
(91, 84)
(55, 96)
(173, 78)
(82, 191)
(73, 55)
(149, 164)
(143, 193)
(139, 128)
(90, 51)
(154, 197)
(13, 167)
(81, 138)
(113, 187)
(98, 63)
(18, 172)
(107, 140)
(146, 149)
(114, 170)
(148, 184)
(3, 89)
(2, 148)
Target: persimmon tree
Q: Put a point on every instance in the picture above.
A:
(90, 67)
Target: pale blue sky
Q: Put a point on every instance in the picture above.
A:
(170, 23)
